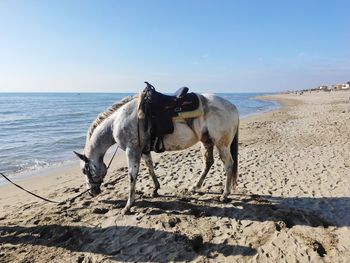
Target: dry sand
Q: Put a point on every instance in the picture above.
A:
(292, 203)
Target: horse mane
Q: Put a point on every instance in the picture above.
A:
(108, 112)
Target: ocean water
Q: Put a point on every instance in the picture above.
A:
(40, 130)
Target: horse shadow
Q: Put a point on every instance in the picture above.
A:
(134, 243)
(308, 211)
(122, 243)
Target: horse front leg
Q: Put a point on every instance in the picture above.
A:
(133, 170)
(208, 160)
(148, 160)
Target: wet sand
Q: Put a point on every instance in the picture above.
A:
(292, 202)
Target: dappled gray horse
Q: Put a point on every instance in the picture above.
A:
(122, 124)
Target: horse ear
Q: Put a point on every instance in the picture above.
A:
(81, 156)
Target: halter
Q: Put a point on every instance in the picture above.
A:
(87, 168)
(88, 173)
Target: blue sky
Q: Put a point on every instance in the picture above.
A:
(209, 46)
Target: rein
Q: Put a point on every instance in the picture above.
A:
(53, 201)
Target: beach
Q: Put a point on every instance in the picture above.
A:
(292, 202)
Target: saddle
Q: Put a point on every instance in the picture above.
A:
(159, 109)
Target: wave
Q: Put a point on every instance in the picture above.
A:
(13, 118)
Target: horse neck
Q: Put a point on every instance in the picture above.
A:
(99, 142)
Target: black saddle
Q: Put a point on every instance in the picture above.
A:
(159, 109)
(157, 102)
(181, 92)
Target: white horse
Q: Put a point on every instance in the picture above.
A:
(218, 126)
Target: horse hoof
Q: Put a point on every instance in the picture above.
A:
(224, 199)
(155, 194)
(234, 187)
(193, 189)
(126, 211)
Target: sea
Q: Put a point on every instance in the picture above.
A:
(41, 130)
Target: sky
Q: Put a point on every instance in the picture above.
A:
(208, 46)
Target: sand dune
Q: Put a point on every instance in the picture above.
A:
(292, 201)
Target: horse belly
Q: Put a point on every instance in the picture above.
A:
(183, 137)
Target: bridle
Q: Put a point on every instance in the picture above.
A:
(87, 172)
(87, 169)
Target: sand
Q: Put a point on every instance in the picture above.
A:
(292, 203)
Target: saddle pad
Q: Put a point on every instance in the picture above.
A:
(191, 114)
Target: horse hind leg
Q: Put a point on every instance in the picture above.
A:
(207, 148)
(149, 163)
(234, 154)
(226, 157)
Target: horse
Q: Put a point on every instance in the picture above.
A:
(120, 124)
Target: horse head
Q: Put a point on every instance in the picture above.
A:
(94, 173)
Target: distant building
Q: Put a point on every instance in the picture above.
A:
(323, 87)
(346, 86)
(334, 87)
(327, 88)
(342, 86)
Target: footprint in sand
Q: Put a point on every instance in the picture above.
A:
(100, 211)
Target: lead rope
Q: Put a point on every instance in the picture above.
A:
(110, 162)
(40, 197)
(52, 201)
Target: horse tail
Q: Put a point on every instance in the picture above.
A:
(234, 154)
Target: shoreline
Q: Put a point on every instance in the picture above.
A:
(292, 200)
